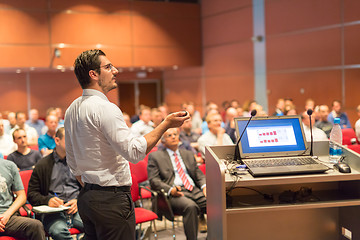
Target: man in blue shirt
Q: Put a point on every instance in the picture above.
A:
(337, 113)
(46, 142)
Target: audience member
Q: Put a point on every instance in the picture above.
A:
(7, 145)
(189, 135)
(47, 141)
(50, 111)
(6, 124)
(204, 125)
(216, 134)
(54, 185)
(290, 110)
(318, 134)
(195, 116)
(35, 122)
(32, 136)
(127, 119)
(156, 117)
(59, 115)
(176, 172)
(224, 105)
(231, 113)
(309, 104)
(336, 112)
(357, 124)
(164, 110)
(323, 122)
(280, 107)
(12, 224)
(11, 116)
(248, 107)
(24, 157)
(144, 125)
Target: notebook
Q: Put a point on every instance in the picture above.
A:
(275, 145)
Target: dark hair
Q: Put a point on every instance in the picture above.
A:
(86, 61)
(60, 133)
(17, 130)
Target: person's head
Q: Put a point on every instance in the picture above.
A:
(58, 112)
(164, 110)
(19, 137)
(60, 142)
(240, 111)
(280, 104)
(190, 108)
(290, 111)
(231, 113)
(93, 69)
(234, 103)
(12, 118)
(323, 112)
(20, 119)
(145, 114)
(52, 123)
(126, 118)
(51, 111)
(306, 119)
(1, 127)
(336, 106)
(309, 104)
(187, 125)
(211, 106)
(156, 116)
(170, 138)
(34, 115)
(214, 122)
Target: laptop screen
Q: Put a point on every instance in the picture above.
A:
(271, 136)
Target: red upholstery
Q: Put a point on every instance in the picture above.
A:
(5, 157)
(74, 231)
(348, 136)
(202, 167)
(355, 148)
(34, 147)
(8, 238)
(25, 178)
(140, 170)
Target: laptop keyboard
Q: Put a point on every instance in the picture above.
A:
(276, 162)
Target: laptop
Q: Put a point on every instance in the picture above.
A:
(275, 145)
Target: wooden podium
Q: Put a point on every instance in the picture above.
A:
(329, 213)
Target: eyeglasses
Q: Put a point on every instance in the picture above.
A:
(108, 67)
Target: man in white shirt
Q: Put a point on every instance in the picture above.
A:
(7, 145)
(318, 134)
(98, 147)
(31, 132)
(144, 125)
(357, 124)
(216, 135)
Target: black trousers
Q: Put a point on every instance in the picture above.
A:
(189, 206)
(107, 215)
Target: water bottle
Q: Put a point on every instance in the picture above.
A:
(69, 220)
(335, 137)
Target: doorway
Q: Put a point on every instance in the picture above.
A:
(134, 93)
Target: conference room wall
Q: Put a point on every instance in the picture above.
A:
(312, 51)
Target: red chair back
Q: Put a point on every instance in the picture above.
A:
(355, 148)
(8, 238)
(134, 188)
(140, 170)
(202, 167)
(25, 178)
(349, 136)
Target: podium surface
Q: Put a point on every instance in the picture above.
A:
(240, 206)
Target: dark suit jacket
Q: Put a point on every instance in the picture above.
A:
(161, 172)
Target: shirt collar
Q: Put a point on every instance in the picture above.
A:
(93, 92)
(57, 158)
(171, 152)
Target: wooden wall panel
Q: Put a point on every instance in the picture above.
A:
(351, 45)
(14, 31)
(284, 15)
(13, 96)
(210, 7)
(173, 9)
(351, 10)
(24, 56)
(229, 59)
(24, 4)
(219, 89)
(322, 86)
(313, 49)
(230, 27)
(352, 87)
(90, 29)
(92, 6)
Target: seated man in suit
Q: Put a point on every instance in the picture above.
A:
(177, 173)
(54, 185)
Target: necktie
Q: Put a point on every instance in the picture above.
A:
(181, 172)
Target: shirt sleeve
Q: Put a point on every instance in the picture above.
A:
(112, 124)
(17, 183)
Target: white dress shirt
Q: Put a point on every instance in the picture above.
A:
(140, 128)
(318, 134)
(98, 142)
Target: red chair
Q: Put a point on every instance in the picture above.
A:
(8, 238)
(355, 148)
(142, 215)
(34, 147)
(349, 136)
(202, 167)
